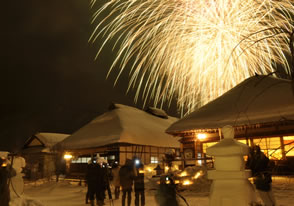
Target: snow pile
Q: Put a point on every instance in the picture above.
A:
(25, 201)
(65, 194)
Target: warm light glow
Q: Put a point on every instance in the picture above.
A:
(183, 174)
(166, 168)
(67, 156)
(197, 175)
(194, 50)
(177, 181)
(141, 171)
(176, 167)
(187, 182)
(201, 136)
(149, 169)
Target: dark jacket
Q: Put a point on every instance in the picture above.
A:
(259, 165)
(139, 180)
(96, 176)
(126, 176)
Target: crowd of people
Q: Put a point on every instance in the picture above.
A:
(131, 176)
(127, 177)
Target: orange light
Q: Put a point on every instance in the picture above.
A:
(187, 182)
(67, 156)
(197, 175)
(201, 136)
(183, 174)
(177, 181)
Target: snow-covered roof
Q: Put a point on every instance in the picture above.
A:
(123, 124)
(256, 100)
(45, 139)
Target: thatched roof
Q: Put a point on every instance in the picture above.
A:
(259, 101)
(124, 124)
(43, 142)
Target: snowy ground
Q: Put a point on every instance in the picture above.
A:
(67, 193)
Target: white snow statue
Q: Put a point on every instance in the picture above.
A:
(16, 186)
(230, 185)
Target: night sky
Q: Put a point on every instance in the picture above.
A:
(49, 79)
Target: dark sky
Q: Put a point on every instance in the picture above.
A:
(49, 79)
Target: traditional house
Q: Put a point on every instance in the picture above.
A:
(261, 109)
(41, 159)
(122, 132)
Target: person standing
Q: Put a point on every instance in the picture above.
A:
(105, 181)
(115, 181)
(139, 185)
(166, 194)
(96, 183)
(259, 165)
(92, 179)
(126, 176)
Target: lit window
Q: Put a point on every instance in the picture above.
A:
(154, 159)
(81, 160)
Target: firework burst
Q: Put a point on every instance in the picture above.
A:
(194, 50)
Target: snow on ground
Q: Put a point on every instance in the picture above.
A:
(67, 193)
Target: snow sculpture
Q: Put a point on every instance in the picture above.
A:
(230, 185)
(16, 186)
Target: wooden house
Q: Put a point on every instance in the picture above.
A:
(41, 159)
(261, 109)
(121, 133)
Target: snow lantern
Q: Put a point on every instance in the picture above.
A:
(230, 179)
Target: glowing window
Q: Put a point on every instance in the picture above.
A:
(154, 160)
(81, 160)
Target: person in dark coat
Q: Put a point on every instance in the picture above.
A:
(96, 183)
(166, 194)
(258, 163)
(106, 179)
(139, 185)
(115, 180)
(126, 176)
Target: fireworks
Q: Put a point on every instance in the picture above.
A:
(194, 50)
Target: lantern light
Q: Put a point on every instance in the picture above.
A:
(67, 156)
(201, 136)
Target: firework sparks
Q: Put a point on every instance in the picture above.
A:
(194, 50)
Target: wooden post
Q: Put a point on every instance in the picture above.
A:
(195, 151)
(251, 142)
(282, 147)
(247, 142)
(182, 155)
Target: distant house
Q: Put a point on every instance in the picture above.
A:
(41, 159)
(122, 132)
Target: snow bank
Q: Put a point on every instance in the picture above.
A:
(66, 194)
(25, 201)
